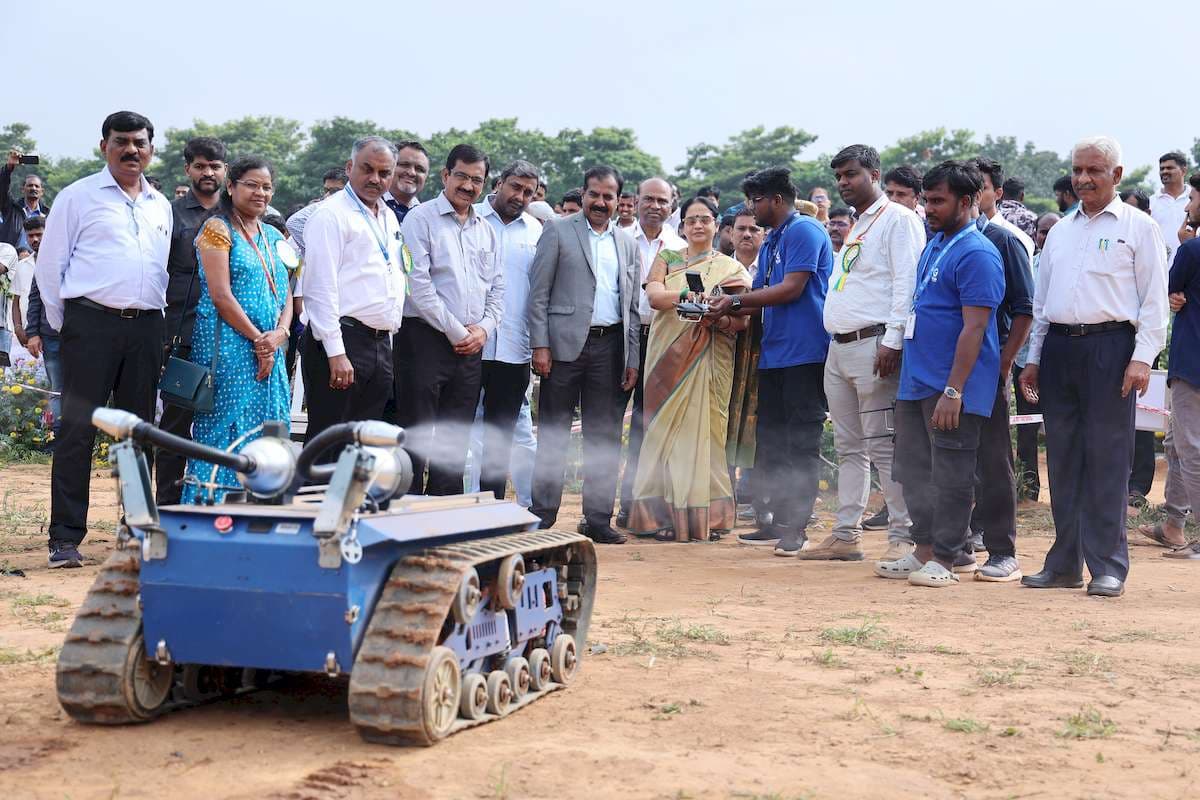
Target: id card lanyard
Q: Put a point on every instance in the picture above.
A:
(927, 273)
(773, 249)
(381, 241)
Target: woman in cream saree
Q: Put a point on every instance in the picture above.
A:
(682, 489)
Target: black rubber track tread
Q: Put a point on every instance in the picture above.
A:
(385, 684)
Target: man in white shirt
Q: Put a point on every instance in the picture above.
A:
(870, 295)
(102, 273)
(652, 235)
(456, 304)
(507, 354)
(354, 285)
(1168, 206)
(1099, 320)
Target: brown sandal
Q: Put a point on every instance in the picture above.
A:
(1158, 536)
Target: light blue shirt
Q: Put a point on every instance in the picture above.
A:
(606, 308)
(101, 245)
(516, 243)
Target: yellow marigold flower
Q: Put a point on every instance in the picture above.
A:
(17, 389)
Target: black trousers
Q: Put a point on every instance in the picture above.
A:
(102, 354)
(637, 426)
(995, 511)
(1029, 481)
(1089, 445)
(1141, 476)
(169, 467)
(937, 470)
(372, 361)
(504, 388)
(593, 382)
(436, 394)
(791, 416)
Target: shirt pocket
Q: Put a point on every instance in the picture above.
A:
(1113, 262)
(485, 265)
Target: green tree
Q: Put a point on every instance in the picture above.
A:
(329, 144)
(725, 166)
(929, 148)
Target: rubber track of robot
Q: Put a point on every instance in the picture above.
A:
(385, 684)
(92, 660)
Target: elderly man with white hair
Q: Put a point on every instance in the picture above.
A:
(1099, 319)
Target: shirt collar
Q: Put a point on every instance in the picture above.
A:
(191, 201)
(486, 209)
(608, 230)
(1117, 207)
(777, 232)
(879, 203)
(442, 204)
(641, 234)
(389, 198)
(107, 179)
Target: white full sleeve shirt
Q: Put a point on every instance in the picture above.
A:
(104, 246)
(649, 249)
(516, 243)
(345, 272)
(879, 286)
(1107, 268)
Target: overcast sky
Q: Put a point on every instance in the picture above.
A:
(678, 73)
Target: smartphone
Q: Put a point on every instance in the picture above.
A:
(694, 281)
(31, 158)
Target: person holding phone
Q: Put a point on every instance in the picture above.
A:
(13, 214)
(682, 491)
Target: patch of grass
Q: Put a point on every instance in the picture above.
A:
(1010, 731)
(1125, 637)
(1088, 723)
(10, 655)
(827, 658)
(946, 650)
(1085, 662)
(666, 637)
(636, 555)
(869, 635)
(908, 673)
(15, 515)
(1006, 677)
(28, 607)
(965, 725)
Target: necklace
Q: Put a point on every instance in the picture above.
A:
(268, 271)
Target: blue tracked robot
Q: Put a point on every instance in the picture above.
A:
(445, 612)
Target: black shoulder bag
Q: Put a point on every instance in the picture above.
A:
(185, 383)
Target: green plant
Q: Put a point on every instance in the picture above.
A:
(964, 725)
(24, 414)
(1088, 723)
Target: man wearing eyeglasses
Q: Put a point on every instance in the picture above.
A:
(455, 306)
(102, 272)
(870, 293)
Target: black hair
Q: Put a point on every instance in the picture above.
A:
(573, 196)
(276, 222)
(709, 191)
(126, 122)
(864, 154)
(1063, 184)
(234, 174)
(34, 223)
(691, 201)
(542, 184)
(204, 147)
(154, 181)
(727, 221)
(413, 144)
(1140, 198)
(771, 181)
(334, 174)
(467, 154)
(1194, 181)
(841, 211)
(963, 179)
(905, 176)
(602, 171)
(519, 168)
(1176, 156)
(744, 210)
(625, 194)
(990, 167)
(1013, 188)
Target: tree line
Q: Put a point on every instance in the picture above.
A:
(300, 155)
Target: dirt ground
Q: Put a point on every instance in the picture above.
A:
(725, 672)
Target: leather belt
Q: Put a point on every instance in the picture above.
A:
(645, 330)
(865, 333)
(604, 330)
(351, 322)
(1089, 328)
(123, 313)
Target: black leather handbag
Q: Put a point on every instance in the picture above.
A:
(185, 383)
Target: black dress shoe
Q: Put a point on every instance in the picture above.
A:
(1106, 586)
(1052, 580)
(605, 535)
(623, 519)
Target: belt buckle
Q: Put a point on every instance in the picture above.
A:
(129, 313)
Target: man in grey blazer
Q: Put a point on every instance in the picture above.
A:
(583, 328)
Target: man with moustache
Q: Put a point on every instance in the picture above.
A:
(1168, 206)
(865, 314)
(456, 303)
(204, 164)
(506, 355)
(412, 170)
(652, 236)
(840, 221)
(354, 285)
(584, 324)
(1099, 320)
(103, 285)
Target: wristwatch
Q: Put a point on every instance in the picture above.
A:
(735, 304)
(952, 393)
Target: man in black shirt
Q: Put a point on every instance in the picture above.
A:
(204, 163)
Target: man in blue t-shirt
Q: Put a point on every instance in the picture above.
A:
(793, 273)
(948, 377)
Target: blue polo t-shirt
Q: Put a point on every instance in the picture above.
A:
(794, 333)
(970, 273)
(1184, 360)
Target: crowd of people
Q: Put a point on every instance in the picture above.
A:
(910, 316)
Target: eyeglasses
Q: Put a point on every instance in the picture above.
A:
(704, 219)
(474, 180)
(255, 186)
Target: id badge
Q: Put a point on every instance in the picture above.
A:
(910, 325)
(393, 284)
